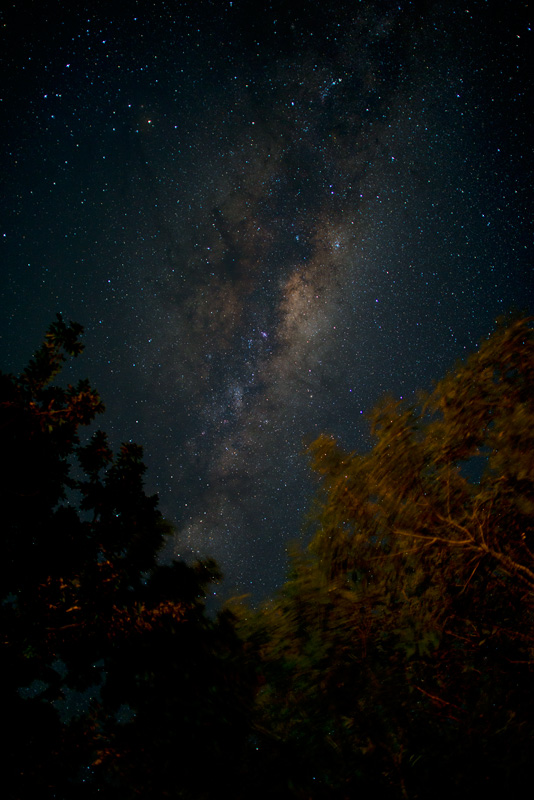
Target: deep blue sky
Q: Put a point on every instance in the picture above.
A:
(265, 219)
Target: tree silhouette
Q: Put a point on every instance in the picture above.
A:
(396, 659)
(86, 608)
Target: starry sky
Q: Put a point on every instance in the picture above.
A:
(266, 216)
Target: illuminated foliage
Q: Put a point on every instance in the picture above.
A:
(398, 655)
(395, 661)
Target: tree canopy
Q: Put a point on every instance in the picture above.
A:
(395, 660)
(398, 656)
(87, 608)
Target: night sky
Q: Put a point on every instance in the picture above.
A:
(266, 219)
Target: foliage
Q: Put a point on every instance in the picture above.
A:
(397, 658)
(395, 661)
(86, 608)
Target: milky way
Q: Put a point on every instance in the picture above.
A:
(265, 219)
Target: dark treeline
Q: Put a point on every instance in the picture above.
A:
(395, 662)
